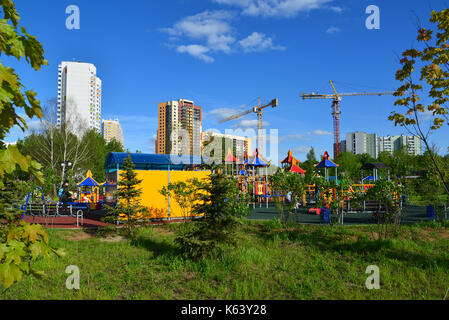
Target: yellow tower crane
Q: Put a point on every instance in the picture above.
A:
(336, 113)
(259, 111)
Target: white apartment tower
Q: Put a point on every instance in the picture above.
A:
(79, 96)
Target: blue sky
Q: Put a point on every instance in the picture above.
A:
(223, 54)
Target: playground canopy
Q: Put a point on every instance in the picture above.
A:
(292, 161)
(258, 161)
(296, 169)
(89, 181)
(326, 162)
(230, 157)
(143, 161)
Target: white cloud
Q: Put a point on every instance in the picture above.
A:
(212, 27)
(212, 32)
(333, 29)
(322, 133)
(336, 9)
(257, 42)
(275, 8)
(197, 51)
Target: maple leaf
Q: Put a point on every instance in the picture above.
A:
(32, 233)
(9, 273)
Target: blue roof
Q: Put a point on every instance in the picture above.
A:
(326, 164)
(88, 182)
(144, 161)
(258, 162)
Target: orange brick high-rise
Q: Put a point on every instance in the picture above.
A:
(175, 115)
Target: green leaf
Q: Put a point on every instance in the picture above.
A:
(31, 233)
(9, 273)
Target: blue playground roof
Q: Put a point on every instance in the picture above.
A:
(258, 162)
(88, 182)
(145, 161)
(326, 164)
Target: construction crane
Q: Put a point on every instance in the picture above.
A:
(259, 111)
(336, 113)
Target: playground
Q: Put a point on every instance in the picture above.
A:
(86, 206)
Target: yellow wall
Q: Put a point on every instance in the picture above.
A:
(152, 182)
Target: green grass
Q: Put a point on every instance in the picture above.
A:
(297, 262)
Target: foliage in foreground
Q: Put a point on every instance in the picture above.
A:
(220, 203)
(431, 58)
(271, 262)
(21, 244)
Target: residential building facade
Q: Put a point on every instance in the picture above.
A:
(361, 142)
(239, 145)
(79, 96)
(179, 128)
(394, 143)
(111, 129)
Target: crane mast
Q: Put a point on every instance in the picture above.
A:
(259, 111)
(336, 112)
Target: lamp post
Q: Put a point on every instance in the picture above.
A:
(64, 165)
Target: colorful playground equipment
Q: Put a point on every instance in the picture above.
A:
(326, 163)
(251, 177)
(89, 192)
(292, 164)
(33, 199)
(250, 173)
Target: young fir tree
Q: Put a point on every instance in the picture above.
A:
(128, 195)
(220, 203)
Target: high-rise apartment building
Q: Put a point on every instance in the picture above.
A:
(79, 96)
(179, 128)
(393, 143)
(239, 145)
(111, 129)
(361, 142)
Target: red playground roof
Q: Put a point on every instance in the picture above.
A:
(293, 161)
(290, 158)
(230, 157)
(295, 168)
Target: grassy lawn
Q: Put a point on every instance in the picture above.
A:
(299, 262)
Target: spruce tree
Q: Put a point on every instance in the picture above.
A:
(220, 203)
(128, 194)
